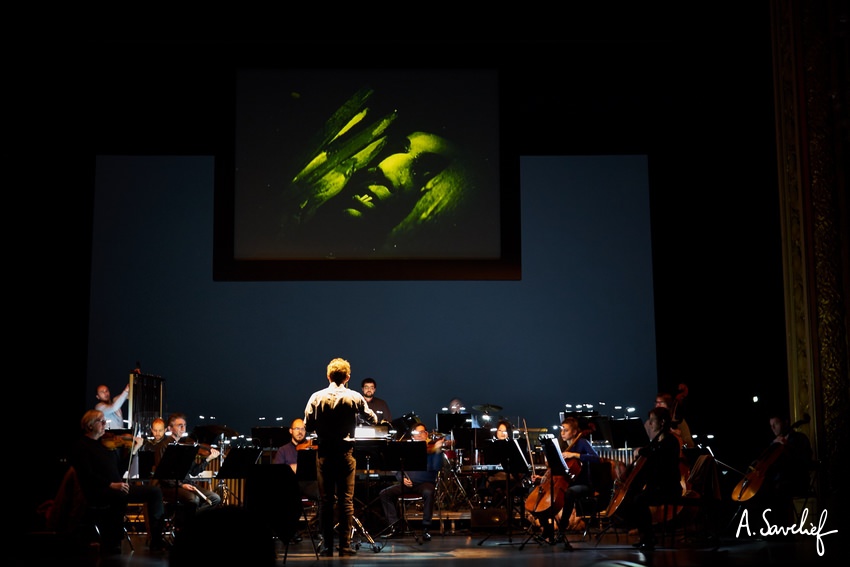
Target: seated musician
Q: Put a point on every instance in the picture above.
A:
(288, 455)
(654, 477)
(102, 484)
(194, 497)
(415, 482)
(494, 487)
(574, 446)
(157, 436)
(786, 465)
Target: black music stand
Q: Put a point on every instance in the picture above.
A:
(507, 453)
(239, 463)
(272, 494)
(406, 456)
(404, 424)
(557, 467)
(175, 464)
(307, 466)
(448, 422)
(628, 433)
(369, 454)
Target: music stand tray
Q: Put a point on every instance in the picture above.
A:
(406, 456)
(239, 462)
(554, 458)
(628, 432)
(369, 454)
(176, 462)
(508, 454)
(448, 422)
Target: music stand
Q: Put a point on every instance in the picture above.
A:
(146, 461)
(628, 433)
(239, 463)
(307, 466)
(175, 464)
(557, 467)
(508, 454)
(404, 424)
(369, 454)
(448, 422)
(602, 424)
(406, 456)
(272, 495)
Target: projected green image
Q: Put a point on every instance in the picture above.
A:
(378, 177)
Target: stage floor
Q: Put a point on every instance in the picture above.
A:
(494, 547)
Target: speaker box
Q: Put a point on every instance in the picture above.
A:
(488, 517)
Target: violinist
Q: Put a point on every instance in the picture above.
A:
(288, 455)
(654, 476)
(100, 478)
(194, 498)
(422, 483)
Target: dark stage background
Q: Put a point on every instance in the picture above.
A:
(699, 108)
(577, 329)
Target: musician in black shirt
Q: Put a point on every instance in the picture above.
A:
(103, 485)
(654, 477)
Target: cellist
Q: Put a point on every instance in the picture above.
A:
(654, 477)
(785, 468)
(574, 446)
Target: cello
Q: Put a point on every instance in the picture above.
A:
(748, 486)
(547, 500)
(623, 488)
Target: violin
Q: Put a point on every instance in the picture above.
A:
(204, 449)
(306, 445)
(435, 442)
(114, 441)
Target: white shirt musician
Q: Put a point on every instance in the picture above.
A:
(111, 407)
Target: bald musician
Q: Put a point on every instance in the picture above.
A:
(288, 455)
